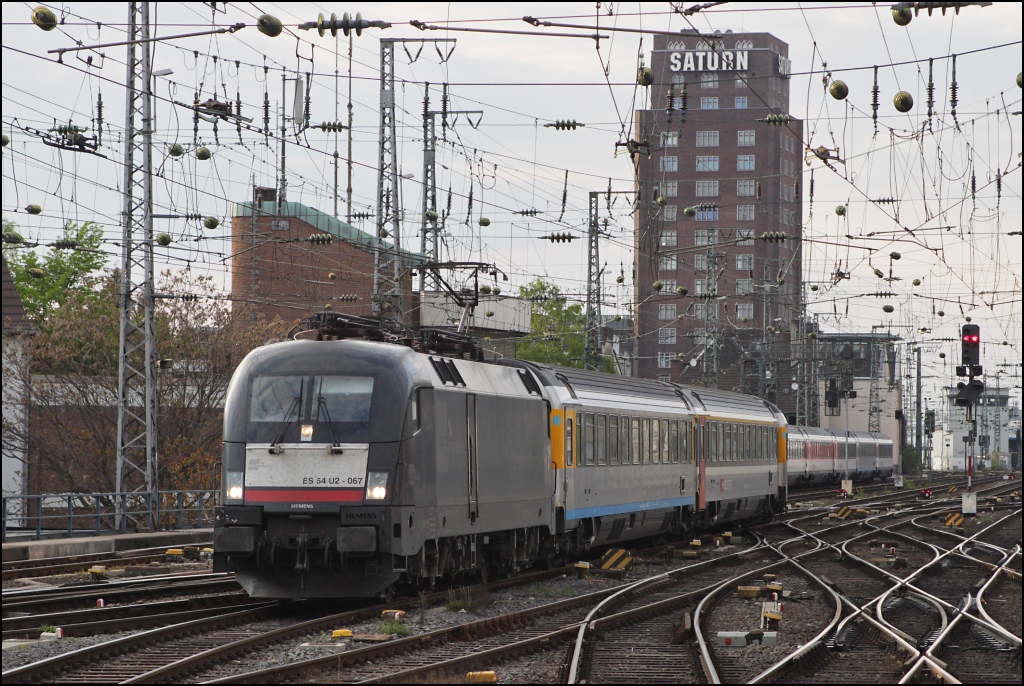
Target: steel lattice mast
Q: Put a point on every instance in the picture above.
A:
(387, 284)
(592, 339)
(136, 401)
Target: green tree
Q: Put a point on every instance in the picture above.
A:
(45, 282)
(556, 328)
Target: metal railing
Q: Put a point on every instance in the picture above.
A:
(82, 514)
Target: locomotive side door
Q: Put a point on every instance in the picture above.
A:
(473, 458)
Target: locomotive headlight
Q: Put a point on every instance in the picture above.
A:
(233, 489)
(376, 485)
(306, 432)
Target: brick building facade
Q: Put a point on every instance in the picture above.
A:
(275, 266)
(742, 177)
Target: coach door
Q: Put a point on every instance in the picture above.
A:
(473, 455)
(701, 451)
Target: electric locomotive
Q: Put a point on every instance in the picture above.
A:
(352, 468)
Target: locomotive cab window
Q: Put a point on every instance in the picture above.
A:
(323, 408)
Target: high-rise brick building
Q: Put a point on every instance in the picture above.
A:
(742, 179)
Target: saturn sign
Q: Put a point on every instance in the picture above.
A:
(727, 60)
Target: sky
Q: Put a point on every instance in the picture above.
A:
(955, 242)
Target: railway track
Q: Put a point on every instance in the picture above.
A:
(51, 566)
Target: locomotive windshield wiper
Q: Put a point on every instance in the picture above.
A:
(275, 448)
(335, 446)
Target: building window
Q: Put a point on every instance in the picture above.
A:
(745, 310)
(669, 139)
(745, 213)
(667, 312)
(668, 286)
(667, 336)
(745, 138)
(664, 377)
(700, 263)
(705, 236)
(744, 286)
(745, 262)
(745, 236)
(670, 189)
(709, 80)
(668, 239)
(707, 214)
(707, 139)
(679, 77)
(741, 102)
(701, 311)
(709, 103)
(671, 212)
(706, 189)
(707, 163)
(669, 163)
(664, 360)
(744, 44)
(741, 79)
(698, 286)
(745, 188)
(743, 163)
(667, 263)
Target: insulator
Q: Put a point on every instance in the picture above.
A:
(13, 237)
(485, 289)
(484, 221)
(564, 125)
(490, 313)
(44, 18)
(874, 101)
(776, 119)
(1018, 80)
(348, 298)
(669, 101)
(269, 25)
(99, 117)
(175, 150)
(814, 287)
(496, 290)
(528, 213)
(888, 308)
(617, 318)
(690, 211)
(645, 76)
(36, 273)
(431, 215)
(68, 129)
(266, 112)
(163, 239)
(657, 286)
(758, 190)
(195, 112)
(328, 307)
(618, 279)
(953, 90)
(941, 313)
(684, 100)
(320, 238)
(894, 255)
(65, 244)
(332, 276)
(999, 184)
(931, 91)
(811, 191)
(383, 233)
(917, 282)
(901, 15)
(660, 201)
(211, 223)
(796, 189)
(903, 101)
(974, 184)
(879, 273)
(333, 126)
(203, 153)
(942, 356)
(884, 201)
(33, 209)
(839, 90)
(6, 140)
(682, 290)
(841, 210)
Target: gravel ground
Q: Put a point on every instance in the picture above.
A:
(807, 610)
(113, 573)
(34, 651)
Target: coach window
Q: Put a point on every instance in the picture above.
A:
(624, 440)
(655, 441)
(568, 442)
(712, 448)
(602, 440)
(723, 455)
(665, 442)
(673, 442)
(613, 440)
(730, 448)
(635, 424)
(588, 439)
(645, 440)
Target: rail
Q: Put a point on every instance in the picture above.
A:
(63, 515)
